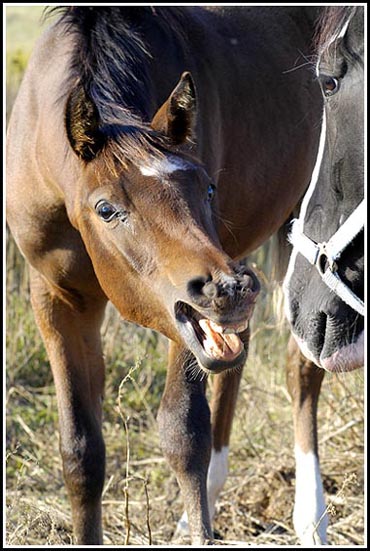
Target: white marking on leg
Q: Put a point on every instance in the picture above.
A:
(309, 504)
(182, 528)
(217, 474)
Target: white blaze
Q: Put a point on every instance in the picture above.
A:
(167, 165)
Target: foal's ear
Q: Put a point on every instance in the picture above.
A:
(176, 118)
(82, 125)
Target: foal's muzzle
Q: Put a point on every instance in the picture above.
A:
(213, 321)
(224, 292)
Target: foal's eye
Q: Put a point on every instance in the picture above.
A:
(211, 192)
(329, 85)
(105, 210)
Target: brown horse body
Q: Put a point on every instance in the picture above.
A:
(125, 183)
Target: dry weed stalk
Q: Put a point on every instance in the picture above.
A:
(330, 508)
(128, 478)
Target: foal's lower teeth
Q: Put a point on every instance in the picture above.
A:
(242, 327)
(239, 329)
(204, 323)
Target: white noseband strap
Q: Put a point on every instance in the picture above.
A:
(324, 255)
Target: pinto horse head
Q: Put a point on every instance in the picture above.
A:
(145, 210)
(327, 320)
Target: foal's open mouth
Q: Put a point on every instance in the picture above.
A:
(216, 347)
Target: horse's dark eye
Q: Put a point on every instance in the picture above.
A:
(329, 85)
(210, 192)
(105, 210)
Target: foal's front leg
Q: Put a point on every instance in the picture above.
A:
(185, 434)
(224, 388)
(304, 380)
(70, 325)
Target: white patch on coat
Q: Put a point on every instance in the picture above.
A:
(182, 528)
(309, 517)
(167, 165)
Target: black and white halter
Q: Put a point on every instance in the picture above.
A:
(325, 255)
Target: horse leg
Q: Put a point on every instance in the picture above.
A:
(69, 325)
(185, 435)
(225, 388)
(304, 380)
(224, 396)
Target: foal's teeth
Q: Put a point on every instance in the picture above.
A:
(243, 327)
(238, 329)
(216, 327)
(226, 330)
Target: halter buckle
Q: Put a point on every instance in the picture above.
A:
(325, 260)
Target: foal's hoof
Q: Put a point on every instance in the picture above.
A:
(182, 534)
(180, 539)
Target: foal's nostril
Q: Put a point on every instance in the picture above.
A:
(202, 287)
(195, 287)
(250, 282)
(226, 287)
(210, 290)
(247, 282)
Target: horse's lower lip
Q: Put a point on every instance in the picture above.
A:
(215, 347)
(346, 358)
(331, 368)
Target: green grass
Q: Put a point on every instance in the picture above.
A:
(23, 26)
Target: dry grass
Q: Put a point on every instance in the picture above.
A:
(141, 502)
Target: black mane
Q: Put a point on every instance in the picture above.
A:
(111, 61)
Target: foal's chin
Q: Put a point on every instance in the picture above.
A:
(217, 346)
(213, 366)
(210, 365)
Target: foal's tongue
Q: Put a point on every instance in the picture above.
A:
(217, 344)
